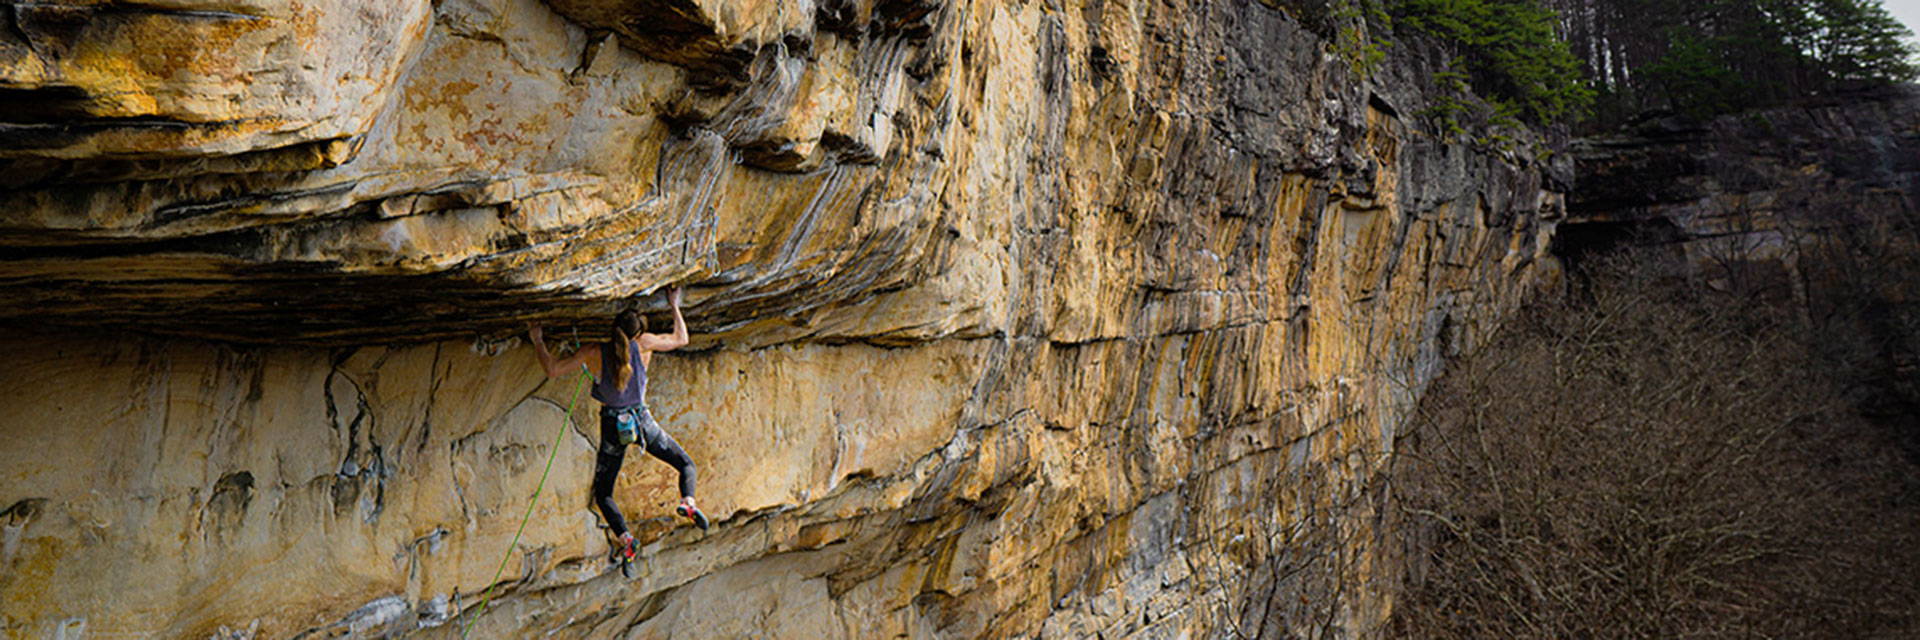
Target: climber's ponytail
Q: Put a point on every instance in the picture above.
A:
(626, 327)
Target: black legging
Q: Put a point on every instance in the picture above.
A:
(611, 454)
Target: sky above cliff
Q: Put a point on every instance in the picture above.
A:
(1907, 11)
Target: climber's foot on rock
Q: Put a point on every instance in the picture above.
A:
(623, 550)
(693, 513)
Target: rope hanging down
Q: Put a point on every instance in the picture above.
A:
(484, 600)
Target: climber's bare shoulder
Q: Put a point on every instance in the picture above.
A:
(587, 357)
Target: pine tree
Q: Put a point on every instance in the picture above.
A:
(1859, 40)
(1512, 51)
(1705, 57)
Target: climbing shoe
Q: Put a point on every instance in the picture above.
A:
(694, 514)
(625, 551)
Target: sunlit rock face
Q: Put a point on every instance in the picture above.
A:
(1012, 319)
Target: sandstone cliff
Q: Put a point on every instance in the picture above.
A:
(1014, 318)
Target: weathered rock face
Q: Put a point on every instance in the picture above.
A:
(1818, 204)
(1013, 319)
(1752, 185)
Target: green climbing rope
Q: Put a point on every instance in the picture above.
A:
(530, 503)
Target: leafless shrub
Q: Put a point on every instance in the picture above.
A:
(1654, 460)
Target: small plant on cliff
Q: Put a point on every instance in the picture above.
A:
(1453, 105)
(1455, 112)
(1356, 22)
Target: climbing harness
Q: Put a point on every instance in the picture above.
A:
(484, 600)
(627, 425)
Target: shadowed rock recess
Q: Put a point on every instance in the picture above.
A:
(1041, 319)
(1767, 185)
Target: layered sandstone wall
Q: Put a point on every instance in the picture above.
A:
(1013, 319)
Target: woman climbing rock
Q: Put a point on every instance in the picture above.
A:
(619, 368)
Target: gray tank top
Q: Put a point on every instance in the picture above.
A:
(636, 390)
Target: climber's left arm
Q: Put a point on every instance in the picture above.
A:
(555, 367)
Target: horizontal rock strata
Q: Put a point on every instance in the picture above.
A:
(1753, 185)
(1013, 319)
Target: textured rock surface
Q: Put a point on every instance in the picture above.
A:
(1754, 184)
(1016, 318)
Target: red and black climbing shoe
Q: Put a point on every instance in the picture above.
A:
(623, 553)
(624, 550)
(693, 513)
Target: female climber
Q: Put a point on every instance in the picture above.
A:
(620, 384)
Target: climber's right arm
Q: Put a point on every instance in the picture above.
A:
(675, 340)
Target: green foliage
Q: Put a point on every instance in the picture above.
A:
(1858, 40)
(1699, 57)
(1511, 52)
(1732, 55)
(1697, 79)
(1707, 57)
(1356, 22)
(1363, 54)
(1452, 106)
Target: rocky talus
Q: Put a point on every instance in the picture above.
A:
(1080, 318)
